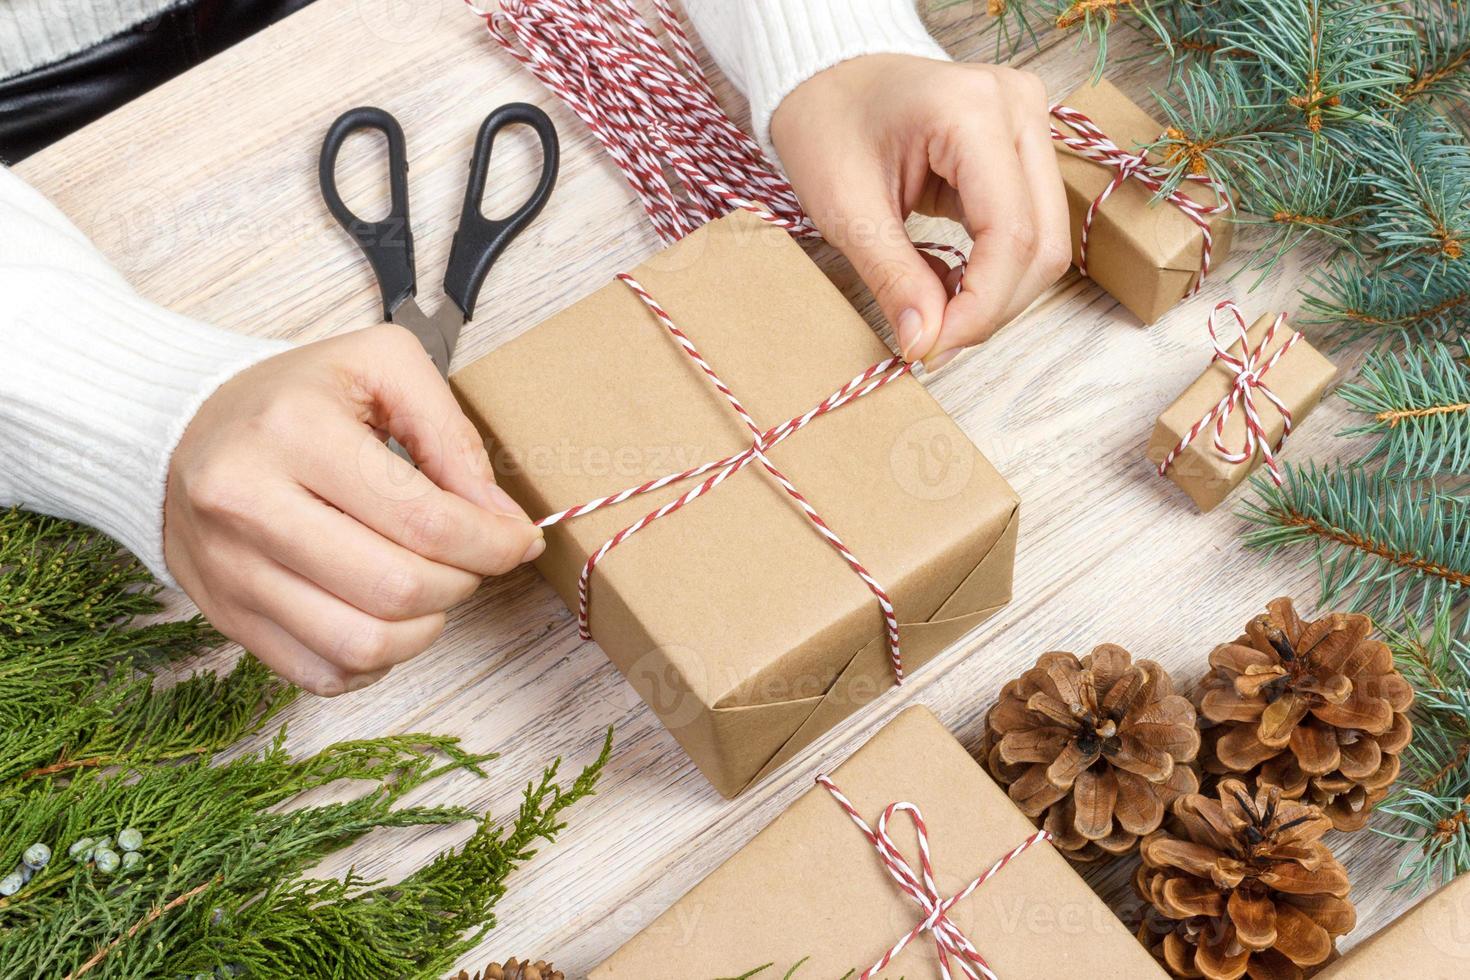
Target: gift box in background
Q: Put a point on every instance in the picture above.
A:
(1431, 941)
(732, 617)
(813, 886)
(1273, 367)
(1148, 254)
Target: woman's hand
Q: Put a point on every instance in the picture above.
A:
(300, 535)
(871, 140)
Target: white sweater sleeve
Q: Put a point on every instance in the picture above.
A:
(769, 47)
(97, 384)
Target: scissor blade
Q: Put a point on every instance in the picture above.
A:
(438, 333)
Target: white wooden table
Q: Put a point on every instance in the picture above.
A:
(204, 192)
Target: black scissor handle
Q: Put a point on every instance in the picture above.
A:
(479, 241)
(388, 244)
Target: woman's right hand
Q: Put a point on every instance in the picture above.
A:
(302, 536)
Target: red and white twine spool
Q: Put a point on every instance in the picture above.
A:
(949, 941)
(869, 381)
(653, 110)
(1250, 367)
(1091, 142)
(650, 106)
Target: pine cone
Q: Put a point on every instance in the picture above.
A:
(1095, 749)
(514, 969)
(1316, 708)
(1243, 887)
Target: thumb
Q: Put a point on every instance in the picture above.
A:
(872, 235)
(417, 409)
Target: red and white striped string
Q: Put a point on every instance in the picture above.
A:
(1091, 142)
(1250, 367)
(653, 110)
(869, 381)
(949, 940)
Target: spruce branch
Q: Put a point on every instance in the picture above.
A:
(1431, 808)
(1324, 60)
(1417, 407)
(1438, 58)
(1390, 548)
(1307, 193)
(1418, 299)
(1417, 175)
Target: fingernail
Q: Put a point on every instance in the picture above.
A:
(912, 334)
(537, 547)
(503, 503)
(932, 364)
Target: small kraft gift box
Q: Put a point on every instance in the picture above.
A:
(1260, 384)
(762, 518)
(1147, 253)
(906, 862)
(1431, 941)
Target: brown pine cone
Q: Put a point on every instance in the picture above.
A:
(1243, 887)
(1095, 749)
(1318, 709)
(514, 969)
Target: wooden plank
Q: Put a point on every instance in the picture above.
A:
(204, 193)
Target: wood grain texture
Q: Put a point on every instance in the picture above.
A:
(204, 193)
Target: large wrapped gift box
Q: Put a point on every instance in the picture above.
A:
(1431, 941)
(733, 618)
(811, 886)
(1146, 253)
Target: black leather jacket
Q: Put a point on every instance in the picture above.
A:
(41, 106)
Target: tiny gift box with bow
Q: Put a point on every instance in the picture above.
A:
(751, 505)
(1431, 941)
(1261, 383)
(1148, 254)
(908, 861)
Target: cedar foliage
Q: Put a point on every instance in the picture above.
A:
(91, 743)
(1342, 125)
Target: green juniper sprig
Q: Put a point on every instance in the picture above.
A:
(1416, 405)
(1389, 547)
(162, 859)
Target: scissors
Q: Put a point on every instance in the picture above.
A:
(478, 241)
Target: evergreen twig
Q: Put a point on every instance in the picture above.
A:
(1417, 407)
(91, 744)
(1430, 811)
(1392, 548)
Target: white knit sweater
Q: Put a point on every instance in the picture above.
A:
(97, 384)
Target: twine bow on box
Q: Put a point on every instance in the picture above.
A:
(1092, 143)
(949, 941)
(764, 440)
(1250, 367)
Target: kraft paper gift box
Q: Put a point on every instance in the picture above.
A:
(811, 885)
(1431, 941)
(1145, 253)
(739, 625)
(1298, 379)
